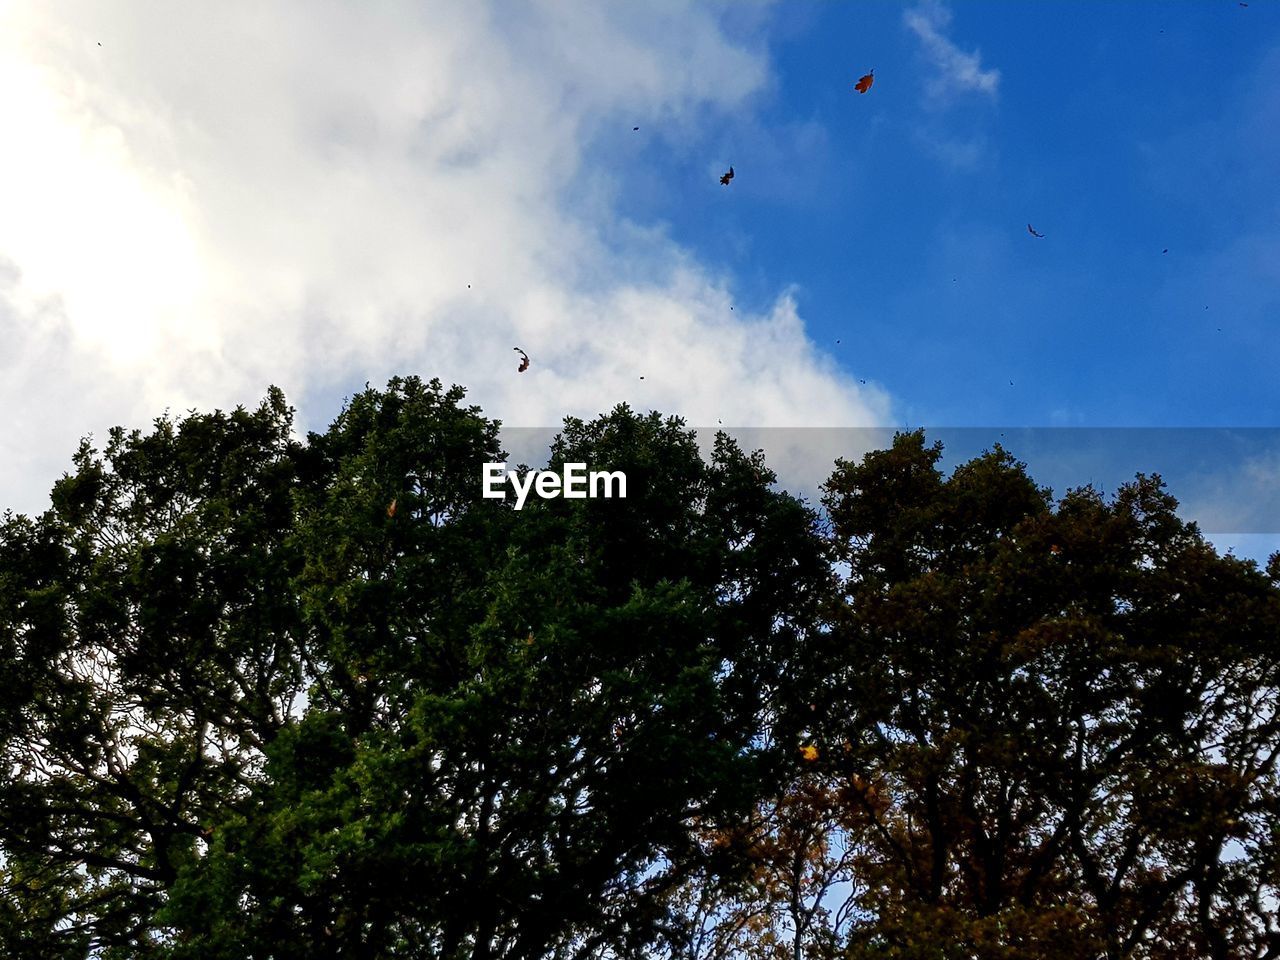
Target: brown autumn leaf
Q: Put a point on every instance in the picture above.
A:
(863, 85)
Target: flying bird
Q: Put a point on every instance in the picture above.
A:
(727, 177)
(524, 360)
(864, 84)
(635, 128)
(1032, 230)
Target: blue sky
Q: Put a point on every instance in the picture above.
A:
(1117, 129)
(317, 195)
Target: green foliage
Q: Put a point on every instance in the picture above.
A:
(273, 718)
(247, 710)
(147, 635)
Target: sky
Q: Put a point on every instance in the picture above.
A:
(197, 202)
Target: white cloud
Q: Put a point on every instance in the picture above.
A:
(1241, 496)
(318, 194)
(956, 71)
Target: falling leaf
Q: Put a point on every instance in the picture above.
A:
(1054, 548)
(863, 85)
(391, 508)
(809, 752)
(524, 361)
(1032, 230)
(727, 177)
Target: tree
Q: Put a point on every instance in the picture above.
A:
(1062, 717)
(148, 642)
(251, 711)
(263, 696)
(798, 894)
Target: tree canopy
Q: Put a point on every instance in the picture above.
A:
(1039, 729)
(273, 696)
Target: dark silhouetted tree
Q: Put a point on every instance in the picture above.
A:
(1061, 717)
(249, 711)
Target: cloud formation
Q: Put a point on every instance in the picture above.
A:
(316, 195)
(954, 70)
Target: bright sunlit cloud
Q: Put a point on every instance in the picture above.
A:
(196, 206)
